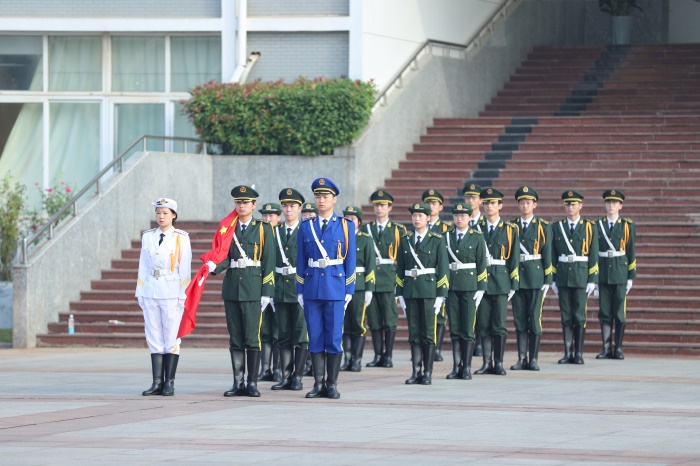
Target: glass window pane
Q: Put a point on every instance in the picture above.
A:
(133, 121)
(75, 63)
(74, 142)
(20, 63)
(138, 64)
(21, 147)
(184, 129)
(194, 60)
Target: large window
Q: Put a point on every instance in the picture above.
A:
(75, 63)
(195, 60)
(138, 64)
(21, 63)
(21, 144)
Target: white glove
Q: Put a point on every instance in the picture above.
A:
(300, 299)
(590, 288)
(368, 297)
(545, 289)
(140, 300)
(402, 303)
(211, 266)
(180, 305)
(555, 289)
(439, 301)
(510, 294)
(478, 296)
(264, 301)
(272, 303)
(629, 286)
(348, 298)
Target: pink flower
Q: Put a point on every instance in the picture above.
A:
(49, 190)
(68, 190)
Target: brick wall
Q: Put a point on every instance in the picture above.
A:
(298, 7)
(111, 8)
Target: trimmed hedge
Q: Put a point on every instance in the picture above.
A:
(306, 117)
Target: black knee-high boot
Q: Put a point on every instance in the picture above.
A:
(158, 375)
(318, 363)
(456, 360)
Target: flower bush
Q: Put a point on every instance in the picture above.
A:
(13, 200)
(306, 117)
(52, 199)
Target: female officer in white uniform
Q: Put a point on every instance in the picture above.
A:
(164, 273)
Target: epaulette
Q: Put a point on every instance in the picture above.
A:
(408, 234)
(437, 235)
(363, 233)
(473, 231)
(511, 224)
(262, 221)
(401, 226)
(628, 220)
(543, 221)
(182, 232)
(148, 231)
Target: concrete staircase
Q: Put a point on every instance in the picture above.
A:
(587, 118)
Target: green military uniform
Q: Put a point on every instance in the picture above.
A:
(618, 267)
(575, 266)
(467, 256)
(503, 277)
(420, 283)
(382, 312)
(535, 278)
(247, 280)
(473, 189)
(365, 278)
(269, 333)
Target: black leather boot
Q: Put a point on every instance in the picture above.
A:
(347, 352)
(318, 362)
(522, 352)
(253, 361)
(266, 355)
(438, 344)
(158, 375)
(333, 368)
(619, 336)
(308, 370)
(568, 334)
(499, 349)
(276, 372)
(238, 366)
(169, 367)
(428, 358)
(300, 357)
(287, 367)
(579, 337)
(487, 366)
(478, 348)
(467, 353)
(606, 333)
(456, 360)
(416, 361)
(534, 341)
(378, 345)
(358, 345)
(389, 336)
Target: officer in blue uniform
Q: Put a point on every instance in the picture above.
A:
(326, 260)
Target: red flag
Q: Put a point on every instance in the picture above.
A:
(220, 246)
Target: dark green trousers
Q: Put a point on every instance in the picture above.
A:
(613, 303)
(572, 304)
(491, 318)
(291, 326)
(461, 310)
(243, 321)
(268, 330)
(422, 321)
(382, 312)
(527, 310)
(354, 322)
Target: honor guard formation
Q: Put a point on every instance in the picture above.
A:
(303, 285)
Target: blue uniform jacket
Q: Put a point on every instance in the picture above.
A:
(335, 281)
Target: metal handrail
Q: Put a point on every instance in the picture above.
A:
(96, 181)
(474, 42)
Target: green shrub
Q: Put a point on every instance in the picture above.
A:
(306, 117)
(12, 202)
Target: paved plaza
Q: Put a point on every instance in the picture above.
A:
(83, 406)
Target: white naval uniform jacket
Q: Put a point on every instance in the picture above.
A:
(173, 253)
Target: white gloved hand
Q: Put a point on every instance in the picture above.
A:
(590, 288)
(402, 303)
(264, 301)
(140, 300)
(439, 301)
(629, 286)
(348, 298)
(510, 294)
(368, 297)
(211, 266)
(545, 289)
(478, 296)
(181, 305)
(555, 289)
(272, 303)
(300, 299)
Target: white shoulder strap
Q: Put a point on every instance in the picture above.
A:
(374, 243)
(449, 249)
(279, 242)
(415, 257)
(568, 244)
(605, 235)
(318, 243)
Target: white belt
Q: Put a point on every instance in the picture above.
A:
(564, 258)
(417, 272)
(160, 273)
(611, 253)
(530, 257)
(492, 261)
(286, 270)
(359, 270)
(243, 263)
(323, 263)
(459, 266)
(384, 262)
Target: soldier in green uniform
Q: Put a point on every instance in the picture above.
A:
(382, 312)
(575, 267)
(535, 277)
(471, 193)
(422, 283)
(354, 324)
(435, 200)
(308, 210)
(618, 269)
(269, 334)
(248, 288)
(503, 261)
(293, 337)
(468, 278)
